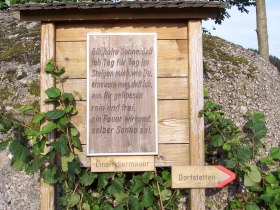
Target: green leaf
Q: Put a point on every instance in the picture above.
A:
(74, 199)
(255, 174)
(50, 67)
(274, 153)
(5, 125)
(74, 167)
(61, 145)
(74, 131)
(121, 198)
(34, 166)
(63, 121)
(134, 204)
(31, 132)
(116, 186)
(48, 128)
(58, 72)
(69, 108)
(148, 198)
(53, 93)
(138, 185)
(65, 160)
(267, 161)
(268, 197)
(217, 141)
(54, 114)
(103, 179)
(26, 108)
(63, 200)
(120, 207)
(252, 176)
(244, 154)
(18, 164)
(147, 176)
(271, 179)
(166, 175)
(77, 143)
(4, 144)
(68, 97)
(107, 207)
(258, 116)
(259, 130)
(86, 206)
(227, 147)
(37, 118)
(50, 174)
(88, 178)
(165, 194)
(19, 151)
(252, 206)
(230, 163)
(248, 181)
(39, 147)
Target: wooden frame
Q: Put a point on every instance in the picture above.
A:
(180, 79)
(47, 53)
(197, 200)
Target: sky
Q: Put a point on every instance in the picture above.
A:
(240, 28)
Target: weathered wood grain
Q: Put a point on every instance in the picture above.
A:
(172, 155)
(196, 104)
(47, 53)
(169, 155)
(122, 119)
(172, 58)
(173, 123)
(168, 88)
(77, 31)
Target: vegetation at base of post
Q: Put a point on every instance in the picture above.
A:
(58, 162)
(239, 150)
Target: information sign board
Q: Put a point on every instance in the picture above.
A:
(121, 94)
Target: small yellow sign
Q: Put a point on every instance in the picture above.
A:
(201, 176)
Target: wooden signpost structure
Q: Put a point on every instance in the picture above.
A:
(151, 118)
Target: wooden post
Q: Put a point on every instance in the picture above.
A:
(197, 157)
(47, 53)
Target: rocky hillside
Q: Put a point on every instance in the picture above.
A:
(237, 78)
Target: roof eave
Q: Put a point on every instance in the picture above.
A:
(71, 14)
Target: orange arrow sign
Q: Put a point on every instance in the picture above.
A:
(201, 176)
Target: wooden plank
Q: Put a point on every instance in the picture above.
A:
(200, 176)
(172, 155)
(122, 163)
(169, 155)
(196, 104)
(168, 88)
(47, 53)
(172, 58)
(173, 88)
(122, 118)
(78, 31)
(173, 123)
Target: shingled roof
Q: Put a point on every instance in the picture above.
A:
(201, 8)
(121, 4)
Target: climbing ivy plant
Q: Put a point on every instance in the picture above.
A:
(58, 163)
(240, 151)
